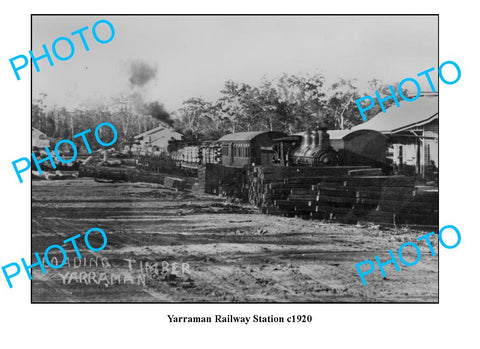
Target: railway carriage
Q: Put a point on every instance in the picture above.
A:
(248, 148)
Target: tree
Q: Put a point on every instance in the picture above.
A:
(39, 112)
(128, 113)
(234, 105)
(342, 109)
(304, 100)
(192, 112)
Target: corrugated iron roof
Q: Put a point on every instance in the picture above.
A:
(340, 134)
(155, 130)
(409, 114)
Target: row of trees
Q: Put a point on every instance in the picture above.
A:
(129, 114)
(290, 104)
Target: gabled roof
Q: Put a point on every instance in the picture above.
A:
(409, 114)
(155, 130)
(36, 130)
(36, 133)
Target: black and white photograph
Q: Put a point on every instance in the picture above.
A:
(236, 159)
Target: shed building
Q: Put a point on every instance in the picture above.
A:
(412, 131)
(157, 138)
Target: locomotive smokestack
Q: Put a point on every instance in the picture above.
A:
(307, 139)
(315, 139)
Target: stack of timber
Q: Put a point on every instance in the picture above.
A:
(120, 174)
(211, 154)
(129, 162)
(258, 179)
(163, 163)
(134, 175)
(221, 180)
(344, 194)
(423, 209)
(155, 163)
(191, 154)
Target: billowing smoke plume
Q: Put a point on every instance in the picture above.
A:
(141, 73)
(157, 111)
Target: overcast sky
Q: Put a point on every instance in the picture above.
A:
(192, 56)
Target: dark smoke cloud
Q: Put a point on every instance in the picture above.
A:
(141, 73)
(157, 111)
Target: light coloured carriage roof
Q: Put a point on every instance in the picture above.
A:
(243, 136)
(340, 134)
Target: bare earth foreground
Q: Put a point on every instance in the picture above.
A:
(168, 246)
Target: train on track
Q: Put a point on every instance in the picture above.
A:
(271, 148)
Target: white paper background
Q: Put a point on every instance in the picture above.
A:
(453, 323)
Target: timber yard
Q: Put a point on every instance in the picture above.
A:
(221, 229)
(251, 217)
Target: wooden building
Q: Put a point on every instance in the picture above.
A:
(412, 131)
(157, 138)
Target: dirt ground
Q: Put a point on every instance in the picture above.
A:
(168, 246)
